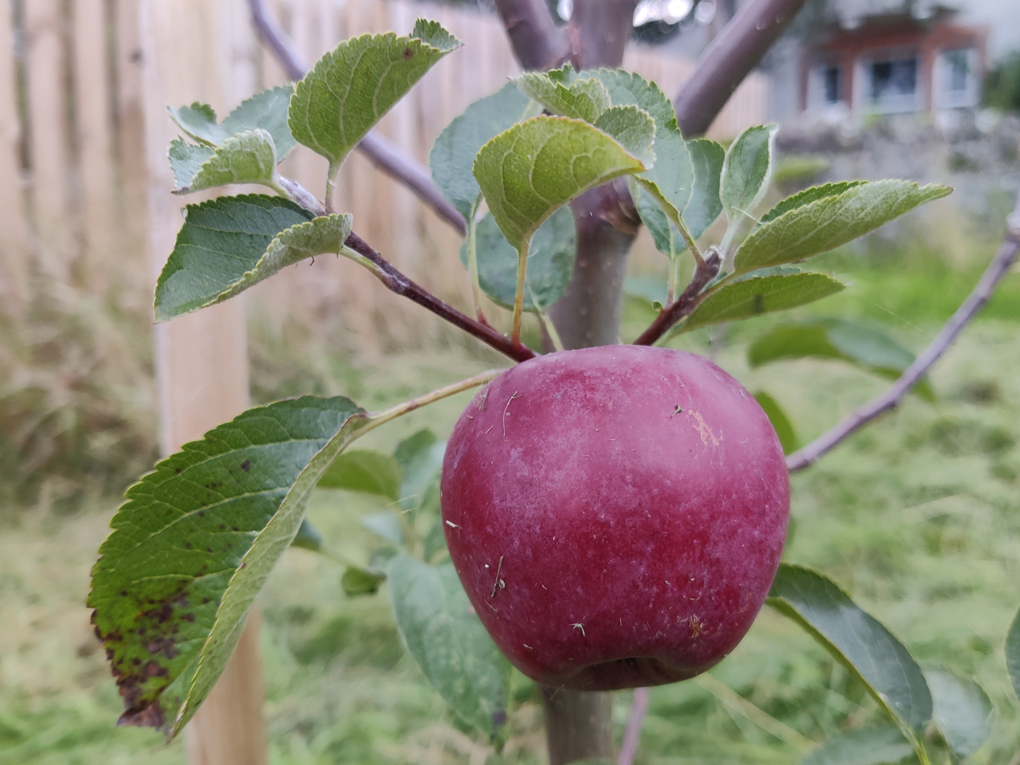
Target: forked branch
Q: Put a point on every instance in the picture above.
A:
(997, 269)
(684, 305)
(384, 154)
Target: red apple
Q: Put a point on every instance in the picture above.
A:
(615, 514)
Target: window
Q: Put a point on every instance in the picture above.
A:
(830, 84)
(956, 84)
(891, 84)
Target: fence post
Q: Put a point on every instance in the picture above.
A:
(201, 358)
(14, 236)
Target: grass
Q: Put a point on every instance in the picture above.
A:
(916, 516)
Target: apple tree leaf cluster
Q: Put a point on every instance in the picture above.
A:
(196, 539)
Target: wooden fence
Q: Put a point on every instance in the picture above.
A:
(76, 95)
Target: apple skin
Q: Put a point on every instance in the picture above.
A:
(615, 514)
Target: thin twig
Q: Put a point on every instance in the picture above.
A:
(396, 282)
(705, 272)
(535, 37)
(996, 270)
(632, 735)
(384, 154)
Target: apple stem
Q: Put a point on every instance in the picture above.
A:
(376, 419)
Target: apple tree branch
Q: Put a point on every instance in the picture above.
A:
(997, 269)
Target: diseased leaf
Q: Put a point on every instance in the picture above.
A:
(308, 537)
(364, 471)
(1013, 653)
(581, 99)
(859, 642)
(831, 221)
(883, 745)
(266, 110)
(194, 543)
(550, 261)
(352, 87)
(756, 295)
(746, 170)
(361, 581)
(780, 422)
(453, 154)
(447, 639)
(807, 196)
(537, 166)
(231, 243)
(863, 345)
(248, 157)
(963, 713)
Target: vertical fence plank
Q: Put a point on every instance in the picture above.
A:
(47, 100)
(93, 134)
(201, 359)
(14, 231)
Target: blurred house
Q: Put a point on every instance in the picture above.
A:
(891, 56)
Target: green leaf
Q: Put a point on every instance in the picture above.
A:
(628, 88)
(386, 525)
(862, 345)
(351, 88)
(963, 712)
(550, 261)
(859, 642)
(186, 159)
(194, 543)
(266, 110)
(308, 537)
(582, 99)
(670, 181)
(1013, 653)
(650, 288)
(633, 128)
(807, 196)
(705, 205)
(755, 295)
(831, 221)
(780, 422)
(365, 471)
(231, 243)
(746, 170)
(421, 458)
(869, 746)
(537, 166)
(453, 154)
(446, 638)
(248, 157)
(361, 581)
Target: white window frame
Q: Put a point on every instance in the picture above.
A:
(862, 83)
(970, 96)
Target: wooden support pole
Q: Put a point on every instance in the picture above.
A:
(201, 358)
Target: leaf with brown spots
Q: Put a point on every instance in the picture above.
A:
(194, 543)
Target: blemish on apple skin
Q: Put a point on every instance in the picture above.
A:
(579, 626)
(703, 430)
(453, 525)
(527, 646)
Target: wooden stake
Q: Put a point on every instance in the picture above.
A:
(201, 358)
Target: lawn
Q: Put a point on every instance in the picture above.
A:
(917, 517)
